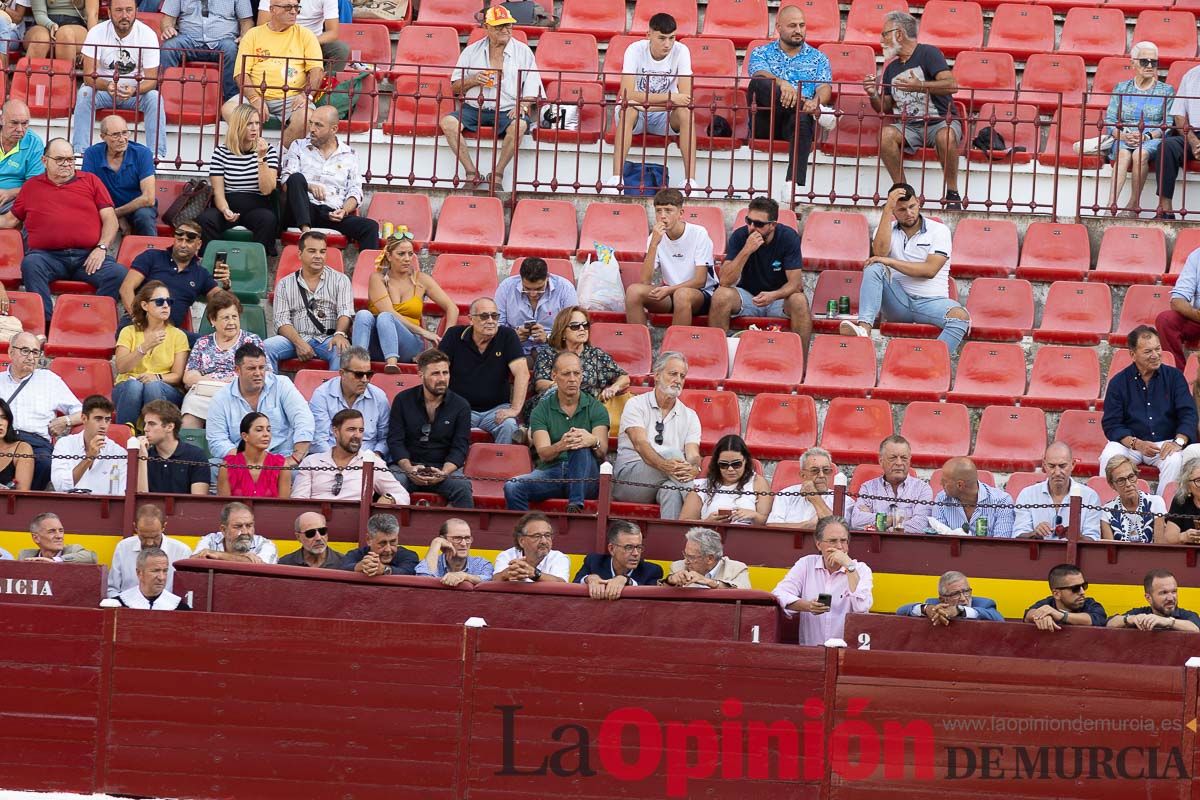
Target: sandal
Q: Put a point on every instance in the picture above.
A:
(391, 367)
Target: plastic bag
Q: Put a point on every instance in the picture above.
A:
(599, 286)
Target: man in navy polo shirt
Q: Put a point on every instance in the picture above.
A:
(126, 169)
(20, 152)
(761, 275)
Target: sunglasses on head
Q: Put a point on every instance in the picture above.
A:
(579, 326)
(311, 532)
(191, 236)
(401, 233)
(161, 301)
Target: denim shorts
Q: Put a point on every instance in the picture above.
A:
(775, 309)
(472, 117)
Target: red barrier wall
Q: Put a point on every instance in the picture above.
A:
(80, 585)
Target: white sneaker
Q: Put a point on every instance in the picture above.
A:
(848, 328)
(611, 185)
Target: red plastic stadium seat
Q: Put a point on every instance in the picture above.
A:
(1181, 67)
(621, 226)
(629, 346)
(12, 250)
(684, 12)
(738, 20)
(1063, 377)
(614, 58)
(1021, 30)
(706, 351)
(83, 325)
(191, 94)
(848, 63)
(558, 266)
(729, 103)
(418, 105)
(543, 228)
(1010, 438)
(712, 219)
(1075, 313)
(864, 473)
(458, 14)
(854, 428)
(916, 330)
(47, 85)
(984, 248)
(84, 376)
(985, 77)
(464, 278)
(1053, 251)
(1142, 306)
(369, 44)
(989, 373)
(1174, 32)
(952, 26)
(1021, 480)
(1051, 80)
(360, 278)
(1071, 125)
(714, 62)
(914, 369)
(936, 431)
(840, 366)
(1001, 309)
(426, 50)
(719, 414)
(601, 18)
(410, 210)
(835, 240)
(822, 20)
(501, 461)
(1109, 72)
(133, 246)
(588, 97)
(766, 361)
(1093, 33)
(831, 285)
(366, 102)
(1131, 255)
(574, 53)
(781, 425)
(856, 133)
(1187, 241)
(864, 22)
(307, 380)
(1082, 432)
(1018, 124)
(787, 473)
(468, 224)
(165, 193)
(27, 307)
(393, 385)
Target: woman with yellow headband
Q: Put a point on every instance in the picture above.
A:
(397, 292)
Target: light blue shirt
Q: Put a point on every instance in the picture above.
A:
(1187, 288)
(806, 70)
(474, 566)
(22, 162)
(220, 23)
(515, 308)
(949, 512)
(327, 401)
(5, 555)
(1028, 519)
(291, 419)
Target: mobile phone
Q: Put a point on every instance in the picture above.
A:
(825, 599)
(222, 256)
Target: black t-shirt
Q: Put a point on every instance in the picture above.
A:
(173, 477)
(1090, 607)
(766, 268)
(924, 64)
(1178, 613)
(481, 377)
(1186, 515)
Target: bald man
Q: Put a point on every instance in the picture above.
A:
(1053, 495)
(21, 150)
(966, 503)
(312, 531)
(323, 182)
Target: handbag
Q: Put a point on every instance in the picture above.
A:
(195, 198)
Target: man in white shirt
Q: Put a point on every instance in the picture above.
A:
(1176, 150)
(318, 480)
(682, 253)
(908, 273)
(496, 77)
(42, 404)
(320, 17)
(236, 540)
(149, 528)
(120, 70)
(150, 592)
(659, 442)
(656, 95)
(533, 557)
(1044, 509)
(803, 504)
(89, 461)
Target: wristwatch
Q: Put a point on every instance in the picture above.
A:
(537, 574)
(852, 566)
(103, 247)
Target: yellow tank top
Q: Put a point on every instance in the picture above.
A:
(412, 308)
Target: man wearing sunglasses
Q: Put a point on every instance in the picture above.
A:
(351, 388)
(126, 168)
(1068, 603)
(488, 368)
(338, 473)
(312, 532)
(1163, 613)
(382, 555)
(206, 30)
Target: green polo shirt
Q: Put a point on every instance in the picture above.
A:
(548, 416)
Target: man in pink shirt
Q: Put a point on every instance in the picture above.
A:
(831, 571)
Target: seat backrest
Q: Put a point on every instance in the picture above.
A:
(1093, 32)
(1062, 372)
(1021, 29)
(841, 361)
(685, 13)
(705, 349)
(399, 208)
(629, 345)
(782, 419)
(575, 52)
(464, 277)
(864, 22)
(854, 427)
(1051, 244)
(775, 356)
(975, 69)
(952, 25)
(822, 19)
(307, 381)
(990, 244)
(913, 364)
(1173, 31)
(1001, 302)
(835, 239)
(426, 50)
(1077, 306)
(719, 414)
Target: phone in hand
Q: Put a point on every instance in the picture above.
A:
(825, 599)
(221, 257)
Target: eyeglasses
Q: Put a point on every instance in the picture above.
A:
(545, 536)
(426, 429)
(579, 326)
(738, 464)
(161, 301)
(538, 292)
(887, 33)
(658, 432)
(289, 7)
(27, 352)
(758, 223)
(1079, 587)
(488, 316)
(1125, 480)
(632, 548)
(117, 134)
(1146, 62)
(362, 375)
(1194, 481)
(61, 160)
(959, 593)
(822, 470)
(458, 539)
(338, 480)
(401, 233)
(191, 236)
(313, 532)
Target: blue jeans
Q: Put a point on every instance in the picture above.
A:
(899, 306)
(395, 338)
(502, 432)
(579, 466)
(130, 395)
(174, 51)
(39, 267)
(144, 221)
(280, 348)
(154, 117)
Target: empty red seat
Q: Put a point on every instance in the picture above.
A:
(360, 279)
(133, 246)
(458, 14)
(369, 44)
(83, 325)
(1093, 33)
(719, 414)
(429, 51)
(936, 431)
(1173, 32)
(714, 62)
(840, 366)
(1131, 255)
(26, 307)
(393, 385)
(731, 104)
(629, 346)
(1082, 431)
(988, 373)
(464, 278)
(365, 113)
(1109, 72)
(568, 56)
(1072, 124)
(854, 428)
(47, 85)
(712, 219)
(856, 129)
(833, 284)
(306, 381)
(848, 63)
(1001, 309)
(766, 361)
(985, 77)
(1017, 123)
(489, 466)
(588, 98)
(1075, 313)
(621, 226)
(984, 248)
(614, 59)
(914, 369)
(1021, 30)
(1051, 80)
(1063, 377)
(781, 425)
(165, 193)
(411, 210)
(952, 26)
(1187, 241)
(864, 22)
(787, 473)
(600, 18)
(418, 105)
(822, 20)
(468, 224)
(835, 240)
(1142, 306)
(740, 21)
(684, 11)
(84, 376)
(1053, 251)
(862, 474)
(1010, 438)
(706, 352)
(542, 228)
(191, 94)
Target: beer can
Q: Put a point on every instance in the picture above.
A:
(981, 527)
(881, 521)
(844, 304)
(386, 230)
(831, 310)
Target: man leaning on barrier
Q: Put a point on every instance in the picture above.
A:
(1068, 603)
(533, 558)
(449, 558)
(606, 574)
(955, 600)
(150, 593)
(1163, 613)
(705, 566)
(828, 575)
(236, 540)
(312, 532)
(49, 537)
(382, 554)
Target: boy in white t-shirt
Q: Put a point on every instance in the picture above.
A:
(683, 254)
(656, 86)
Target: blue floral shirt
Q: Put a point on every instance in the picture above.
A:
(1131, 106)
(807, 70)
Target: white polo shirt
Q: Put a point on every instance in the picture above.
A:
(933, 237)
(681, 426)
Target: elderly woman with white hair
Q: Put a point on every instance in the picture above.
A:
(1137, 119)
(705, 566)
(1183, 519)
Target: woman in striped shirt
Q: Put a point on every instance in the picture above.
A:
(244, 174)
